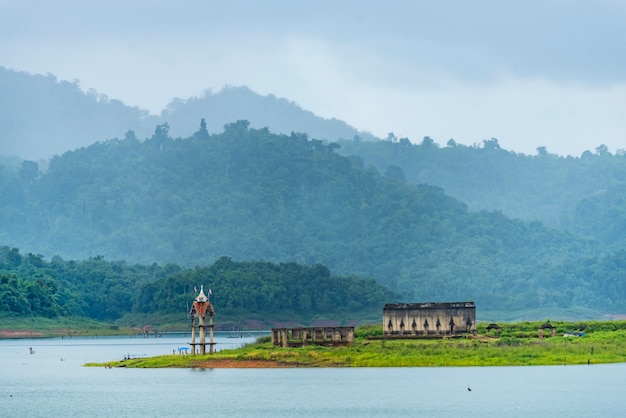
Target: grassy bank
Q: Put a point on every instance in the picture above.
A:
(516, 345)
(24, 327)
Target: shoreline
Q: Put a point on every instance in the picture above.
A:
(13, 334)
(246, 364)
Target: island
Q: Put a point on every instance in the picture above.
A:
(501, 344)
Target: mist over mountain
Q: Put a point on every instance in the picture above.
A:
(240, 103)
(251, 194)
(41, 116)
(585, 195)
(200, 187)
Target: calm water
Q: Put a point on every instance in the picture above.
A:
(53, 383)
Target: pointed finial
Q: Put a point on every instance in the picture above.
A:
(201, 297)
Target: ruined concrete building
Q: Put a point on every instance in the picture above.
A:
(429, 319)
(301, 337)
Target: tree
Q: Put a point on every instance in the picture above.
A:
(602, 150)
(391, 137)
(10, 258)
(395, 173)
(29, 171)
(428, 143)
(202, 133)
(491, 144)
(161, 132)
(239, 126)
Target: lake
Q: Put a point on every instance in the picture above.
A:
(53, 382)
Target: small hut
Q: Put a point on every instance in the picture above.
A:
(549, 326)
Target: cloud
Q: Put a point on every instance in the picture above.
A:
(534, 73)
(522, 114)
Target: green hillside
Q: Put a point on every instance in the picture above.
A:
(585, 195)
(249, 194)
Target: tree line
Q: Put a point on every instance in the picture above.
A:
(115, 291)
(584, 195)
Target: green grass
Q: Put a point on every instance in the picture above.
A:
(518, 345)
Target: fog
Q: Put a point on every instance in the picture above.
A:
(534, 73)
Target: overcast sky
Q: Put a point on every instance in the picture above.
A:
(529, 73)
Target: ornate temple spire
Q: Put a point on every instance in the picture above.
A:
(201, 297)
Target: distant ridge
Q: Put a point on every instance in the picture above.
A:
(41, 116)
(241, 103)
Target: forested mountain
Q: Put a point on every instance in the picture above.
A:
(250, 194)
(584, 195)
(41, 116)
(241, 103)
(137, 295)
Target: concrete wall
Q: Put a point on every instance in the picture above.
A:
(429, 318)
(293, 337)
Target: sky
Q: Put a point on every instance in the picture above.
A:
(530, 73)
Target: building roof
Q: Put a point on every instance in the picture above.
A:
(429, 305)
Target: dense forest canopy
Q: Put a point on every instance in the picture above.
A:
(241, 291)
(250, 194)
(585, 195)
